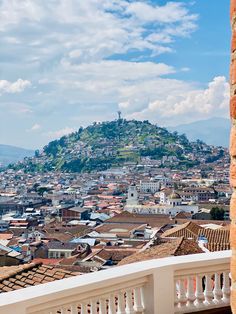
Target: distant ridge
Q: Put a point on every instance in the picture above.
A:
(214, 131)
(11, 154)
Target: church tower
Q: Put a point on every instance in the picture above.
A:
(132, 195)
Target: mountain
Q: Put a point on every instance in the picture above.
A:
(11, 154)
(117, 143)
(213, 131)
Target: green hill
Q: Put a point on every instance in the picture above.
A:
(116, 143)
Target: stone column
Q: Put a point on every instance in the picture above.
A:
(233, 152)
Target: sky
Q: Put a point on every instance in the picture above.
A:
(67, 63)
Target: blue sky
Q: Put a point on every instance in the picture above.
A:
(68, 63)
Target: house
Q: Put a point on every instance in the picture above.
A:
(78, 213)
(175, 247)
(58, 249)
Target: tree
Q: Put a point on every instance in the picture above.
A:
(217, 213)
(41, 190)
(36, 153)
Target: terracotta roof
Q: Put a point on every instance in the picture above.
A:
(113, 254)
(6, 236)
(119, 229)
(175, 247)
(22, 276)
(77, 231)
(187, 230)
(218, 239)
(183, 215)
(157, 220)
(212, 247)
(47, 261)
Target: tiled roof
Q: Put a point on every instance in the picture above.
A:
(114, 254)
(62, 245)
(175, 247)
(218, 239)
(213, 247)
(22, 276)
(157, 220)
(187, 230)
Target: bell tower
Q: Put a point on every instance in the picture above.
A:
(132, 195)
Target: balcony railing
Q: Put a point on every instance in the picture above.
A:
(184, 284)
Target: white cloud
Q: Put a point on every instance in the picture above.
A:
(186, 106)
(35, 127)
(59, 133)
(171, 12)
(79, 58)
(93, 29)
(15, 87)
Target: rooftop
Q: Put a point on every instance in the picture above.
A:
(23, 276)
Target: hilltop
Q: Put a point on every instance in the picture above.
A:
(116, 143)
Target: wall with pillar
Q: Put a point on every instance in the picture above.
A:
(233, 152)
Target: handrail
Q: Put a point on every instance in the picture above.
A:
(155, 277)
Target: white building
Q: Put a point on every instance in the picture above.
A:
(151, 186)
(172, 206)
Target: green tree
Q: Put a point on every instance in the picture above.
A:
(217, 213)
(41, 190)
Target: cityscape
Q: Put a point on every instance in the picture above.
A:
(117, 182)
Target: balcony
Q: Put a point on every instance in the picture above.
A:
(184, 284)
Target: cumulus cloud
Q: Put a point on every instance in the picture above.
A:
(13, 87)
(186, 106)
(92, 29)
(80, 57)
(59, 133)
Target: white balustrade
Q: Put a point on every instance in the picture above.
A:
(182, 284)
(203, 290)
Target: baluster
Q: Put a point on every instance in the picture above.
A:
(143, 300)
(208, 293)
(84, 308)
(102, 306)
(112, 305)
(226, 287)
(74, 308)
(129, 309)
(217, 289)
(63, 310)
(182, 293)
(190, 292)
(93, 307)
(176, 291)
(199, 292)
(121, 303)
(138, 307)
